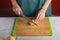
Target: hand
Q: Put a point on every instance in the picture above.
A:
(40, 15)
(17, 9)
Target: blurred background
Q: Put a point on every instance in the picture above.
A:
(5, 8)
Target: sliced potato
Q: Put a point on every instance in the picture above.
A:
(10, 38)
(30, 23)
(1, 38)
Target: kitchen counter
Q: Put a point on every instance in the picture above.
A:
(6, 25)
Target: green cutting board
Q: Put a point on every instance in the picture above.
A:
(23, 29)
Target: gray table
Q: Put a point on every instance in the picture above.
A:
(6, 25)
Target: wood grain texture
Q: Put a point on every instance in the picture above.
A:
(23, 29)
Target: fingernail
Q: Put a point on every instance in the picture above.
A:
(19, 13)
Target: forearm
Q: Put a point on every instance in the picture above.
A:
(46, 4)
(14, 2)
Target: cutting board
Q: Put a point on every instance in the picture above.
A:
(42, 29)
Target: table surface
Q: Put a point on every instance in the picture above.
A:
(6, 25)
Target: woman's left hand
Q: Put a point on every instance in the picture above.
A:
(40, 15)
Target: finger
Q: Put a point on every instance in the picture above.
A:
(16, 11)
(38, 18)
(41, 17)
(19, 12)
(36, 21)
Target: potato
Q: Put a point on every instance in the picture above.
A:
(1, 38)
(10, 38)
(31, 22)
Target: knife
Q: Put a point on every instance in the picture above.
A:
(27, 18)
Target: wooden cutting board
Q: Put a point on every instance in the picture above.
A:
(23, 29)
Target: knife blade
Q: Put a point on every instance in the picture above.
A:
(25, 17)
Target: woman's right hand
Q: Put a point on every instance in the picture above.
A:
(17, 9)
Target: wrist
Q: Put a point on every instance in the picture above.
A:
(44, 9)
